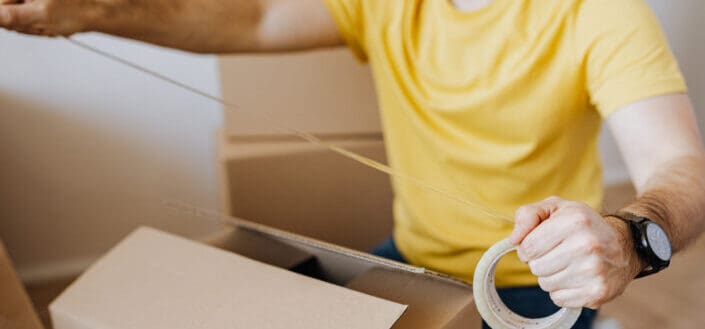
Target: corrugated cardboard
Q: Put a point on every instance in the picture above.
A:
(155, 280)
(174, 283)
(305, 189)
(16, 311)
(434, 300)
(422, 295)
(321, 92)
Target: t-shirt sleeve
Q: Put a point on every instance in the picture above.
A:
(348, 15)
(625, 54)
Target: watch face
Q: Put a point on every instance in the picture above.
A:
(658, 241)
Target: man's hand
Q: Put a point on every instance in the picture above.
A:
(49, 17)
(580, 258)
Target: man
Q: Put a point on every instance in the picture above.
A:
(498, 101)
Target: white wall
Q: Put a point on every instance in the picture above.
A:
(89, 148)
(684, 24)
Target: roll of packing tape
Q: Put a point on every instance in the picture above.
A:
(492, 309)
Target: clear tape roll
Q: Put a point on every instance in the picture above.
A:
(492, 309)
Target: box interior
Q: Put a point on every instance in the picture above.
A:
(435, 301)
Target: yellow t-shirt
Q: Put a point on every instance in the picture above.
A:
(501, 105)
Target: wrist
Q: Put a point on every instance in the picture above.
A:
(626, 240)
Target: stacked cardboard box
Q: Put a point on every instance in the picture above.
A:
(274, 178)
(16, 311)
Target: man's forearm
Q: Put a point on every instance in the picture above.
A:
(201, 26)
(674, 197)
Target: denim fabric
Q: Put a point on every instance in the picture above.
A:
(531, 302)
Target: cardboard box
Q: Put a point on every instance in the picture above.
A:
(324, 92)
(16, 310)
(308, 190)
(153, 280)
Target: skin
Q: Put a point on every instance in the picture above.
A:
(581, 258)
(202, 26)
(585, 260)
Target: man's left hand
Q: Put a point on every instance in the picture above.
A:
(580, 258)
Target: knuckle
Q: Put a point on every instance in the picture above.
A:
(589, 244)
(527, 250)
(580, 205)
(44, 8)
(597, 268)
(534, 268)
(524, 213)
(8, 18)
(546, 284)
(557, 299)
(600, 291)
(582, 219)
(593, 306)
(593, 246)
(553, 198)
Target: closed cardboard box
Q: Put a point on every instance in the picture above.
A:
(320, 92)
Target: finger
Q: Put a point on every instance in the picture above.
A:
(570, 298)
(568, 278)
(530, 216)
(548, 235)
(558, 259)
(18, 16)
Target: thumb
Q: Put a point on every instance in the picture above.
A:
(530, 216)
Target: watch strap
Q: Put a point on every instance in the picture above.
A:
(634, 222)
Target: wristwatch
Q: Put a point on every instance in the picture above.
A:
(651, 242)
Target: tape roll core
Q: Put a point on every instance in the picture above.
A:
(495, 313)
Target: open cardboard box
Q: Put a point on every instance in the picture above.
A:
(16, 311)
(155, 280)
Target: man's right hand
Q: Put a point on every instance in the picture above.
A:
(47, 17)
(206, 26)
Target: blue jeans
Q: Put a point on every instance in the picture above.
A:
(531, 302)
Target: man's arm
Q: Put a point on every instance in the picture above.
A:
(206, 26)
(661, 145)
(585, 260)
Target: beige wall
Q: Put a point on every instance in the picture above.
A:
(89, 149)
(683, 21)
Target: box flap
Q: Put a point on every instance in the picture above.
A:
(16, 310)
(257, 246)
(433, 303)
(155, 280)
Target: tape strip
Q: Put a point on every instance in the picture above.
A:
(262, 118)
(492, 309)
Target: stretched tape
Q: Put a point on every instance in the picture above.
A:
(492, 309)
(492, 214)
